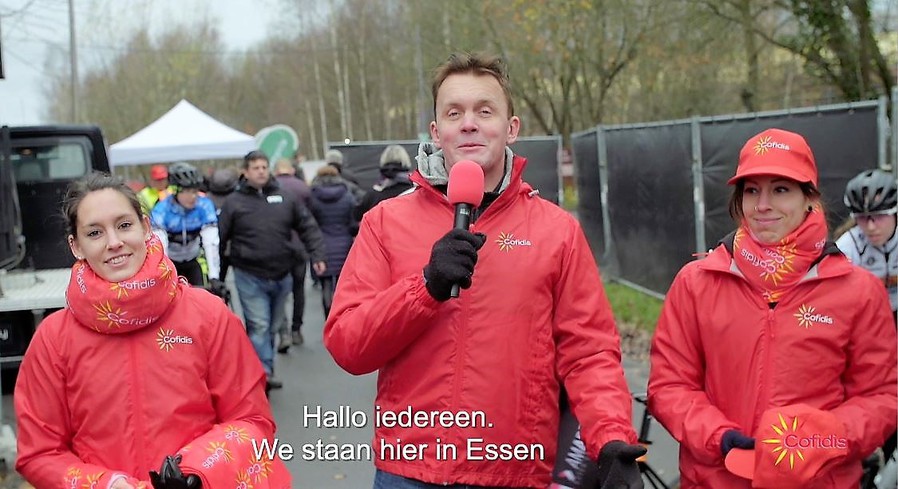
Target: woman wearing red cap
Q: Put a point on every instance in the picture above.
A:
(773, 317)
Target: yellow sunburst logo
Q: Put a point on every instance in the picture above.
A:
(233, 433)
(258, 469)
(164, 269)
(161, 336)
(92, 481)
(109, 315)
(154, 246)
(782, 451)
(70, 479)
(504, 240)
(763, 145)
(803, 315)
(219, 449)
(119, 290)
(243, 481)
(781, 260)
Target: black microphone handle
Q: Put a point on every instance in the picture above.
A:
(462, 221)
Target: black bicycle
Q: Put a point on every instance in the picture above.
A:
(649, 475)
(574, 469)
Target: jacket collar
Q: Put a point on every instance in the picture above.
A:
(270, 186)
(431, 177)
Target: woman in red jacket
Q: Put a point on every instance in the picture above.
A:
(139, 370)
(775, 342)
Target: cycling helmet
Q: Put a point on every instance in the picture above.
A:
(871, 191)
(184, 175)
(223, 181)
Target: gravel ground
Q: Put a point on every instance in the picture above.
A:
(635, 342)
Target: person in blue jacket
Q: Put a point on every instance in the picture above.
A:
(184, 222)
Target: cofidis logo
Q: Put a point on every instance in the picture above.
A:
(808, 315)
(789, 444)
(167, 339)
(767, 143)
(507, 241)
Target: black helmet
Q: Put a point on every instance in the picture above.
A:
(223, 181)
(184, 175)
(871, 191)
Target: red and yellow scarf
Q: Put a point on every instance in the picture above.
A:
(774, 269)
(129, 305)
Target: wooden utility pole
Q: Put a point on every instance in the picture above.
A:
(73, 61)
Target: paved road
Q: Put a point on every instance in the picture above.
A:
(312, 380)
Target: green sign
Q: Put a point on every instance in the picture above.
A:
(278, 141)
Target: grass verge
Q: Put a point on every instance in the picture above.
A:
(633, 307)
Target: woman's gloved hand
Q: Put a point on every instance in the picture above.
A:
(617, 466)
(735, 439)
(171, 477)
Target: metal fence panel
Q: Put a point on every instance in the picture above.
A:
(650, 202)
(589, 203)
(542, 153)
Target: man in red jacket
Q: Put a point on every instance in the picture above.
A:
(468, 388)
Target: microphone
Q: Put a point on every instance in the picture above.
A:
(465, 191)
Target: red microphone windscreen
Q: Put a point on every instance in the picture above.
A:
(465, 183)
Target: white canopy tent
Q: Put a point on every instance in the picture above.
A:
(181, 134)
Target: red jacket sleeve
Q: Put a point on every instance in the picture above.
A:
(226, 455)
(870, 382)
(45, 458)
(372, 320)
(676, 381)
(588, 350)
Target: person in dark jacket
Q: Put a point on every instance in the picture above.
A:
(257, 221)
(290, 332)
(334, 158)
(395, 166)
(332, 206)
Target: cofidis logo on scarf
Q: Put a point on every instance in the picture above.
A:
(167, 339)
(808, 315)
(508, 242)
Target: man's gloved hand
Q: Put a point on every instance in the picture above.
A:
(617, 466)
(219, 288)
(452, 261)
(171, 477)
(735, 439)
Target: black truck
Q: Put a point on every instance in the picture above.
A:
(36, 166)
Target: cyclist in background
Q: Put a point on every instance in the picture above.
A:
(183, 222)
(872, 198)
(872, 243)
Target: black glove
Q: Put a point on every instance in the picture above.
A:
(219, 288)
(171, 477)
(452, 261)
(735, 439)
(617, 466)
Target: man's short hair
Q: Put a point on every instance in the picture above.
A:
(254, 155)
(478, 64)
(284, 167)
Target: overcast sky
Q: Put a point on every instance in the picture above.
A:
(34, 33)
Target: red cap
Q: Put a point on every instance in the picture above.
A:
(158, 172)
(777, 152)
(793, 445)
(465, 183)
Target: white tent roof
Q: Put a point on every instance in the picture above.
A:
(183, 133)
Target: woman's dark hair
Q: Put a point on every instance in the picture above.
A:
(92, 182)
(807, 188)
